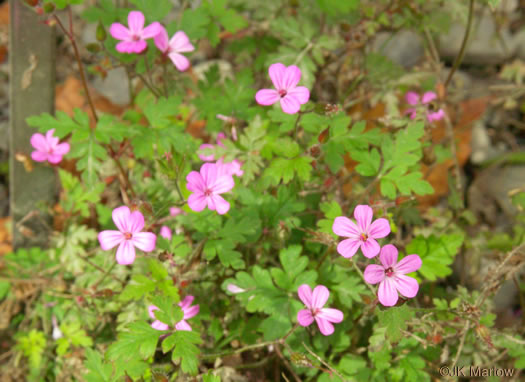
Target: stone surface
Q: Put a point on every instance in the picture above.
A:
(482, 147)
(404, 47)
(114, 86)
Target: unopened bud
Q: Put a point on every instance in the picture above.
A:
(93, 47)
(232, 288)
(32, 3)
(57, 333)
(101, 33)
(315, 151)
(49, 7)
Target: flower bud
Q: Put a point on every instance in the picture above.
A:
(101, 33)
(93, 48)
(49, 7)
(32, 3)
(315, 151)
(57, 333)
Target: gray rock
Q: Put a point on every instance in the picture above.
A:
(114, 86)
(482, 147)
(404, 48)
(485, 46)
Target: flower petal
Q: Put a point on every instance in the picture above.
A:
(406, 285)
(135, 222)
(267, 97)
(181, 43)
(363, 216)
(412, 112)
(387, 293)
(408, 264)
(120, 217)
(54, 158)
(412, 98)
(195, 182)
(300, 93)
(151, 30)
(305, 295)
(61, 149)
(186, 302)
(39, 156)
(277, 72)
(428, 97)
(119, 32)
(320, 296)
(159, 325)
(325, 326)
(206, 158)
(174, 211)
(332, 315)
(347, 248)
(345, 227)
(379, 228)
(165, 232)
(304, 317)
(151, 309)
(221, 205)
(181, 62)
(162, 39)
(144, 240)
(440, 114)
(191, 312)
(388, 256)
(370, 248)
(39, 142)
(135, 21)
(125, 253)
(209, 174)
(110, 239)
(374, 274)
(138, 46)
(125, 47)
(292, 76)
(290, 105)
(222, 184)
(197, 202)
(183, 325)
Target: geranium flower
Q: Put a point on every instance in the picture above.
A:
(48, 148)
(189, 312)
(133, 38)
(179, 43)
(165, 232)
(314, 302)
(129, 235)
(362, 235)
(412, 98)
(285, 80)
(207, 185)
(391, 275)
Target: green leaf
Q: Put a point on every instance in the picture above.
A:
(284, 169)
(139, 342)
(97, 370)
(4, 289)
(73, 335)
(394, 320)
(185, 350)
(337, 7)
(32, 346)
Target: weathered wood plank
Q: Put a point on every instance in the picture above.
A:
(32, 91)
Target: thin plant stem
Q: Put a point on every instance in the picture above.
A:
(324, 362)
(461, 344)
(462, 50)
(363, 277)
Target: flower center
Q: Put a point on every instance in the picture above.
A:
(315, 311)
(135, 38)
(207, 192)
(282, 93)
(128, 235)
(389, 271)
(432, 106)
(363, 237)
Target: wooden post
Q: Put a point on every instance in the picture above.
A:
(32, 91)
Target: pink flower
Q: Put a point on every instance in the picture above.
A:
(391, 275)
(207, 185)
(412, 98)
(229, 168)
(362, 235)
(48, 148)
(174, 211)
(285, 80)
(211, 157)
(133, 39)
(128, 236)
(165, 232)
(189, 312)
(315, 302)
(173, 48)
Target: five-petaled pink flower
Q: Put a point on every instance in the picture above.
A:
(173, 47)
(362, 235)
(129, 235)
(285, 80)
(412, 98)
(165, 232)
(48, 148)
(392, 275)
(207, 185)
(133, 38)
(189, 312)
(314, 302)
